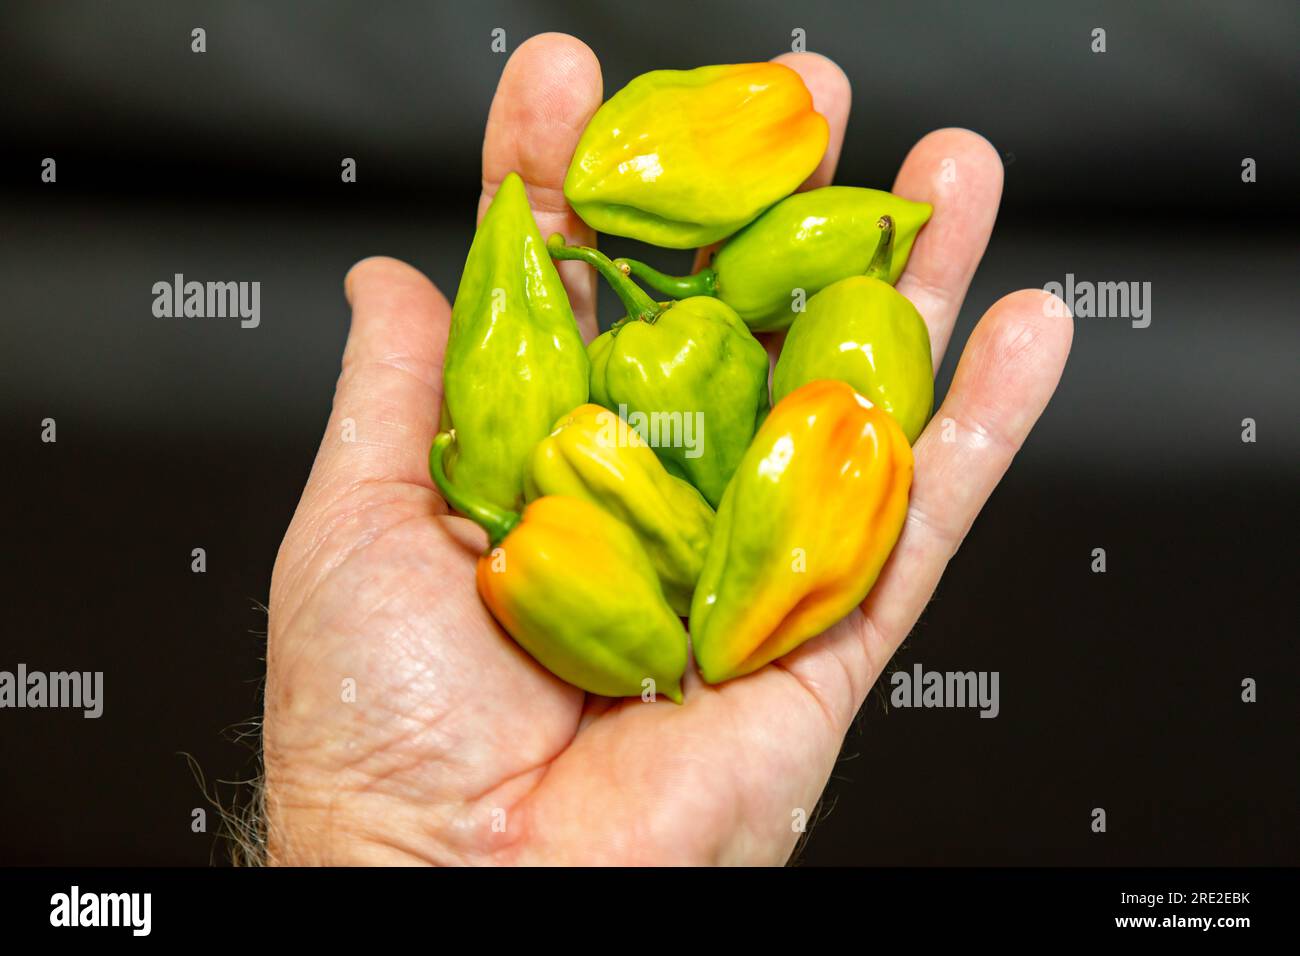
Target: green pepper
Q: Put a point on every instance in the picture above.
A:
(594, 455)
(575, 589)
(682, 158)
(863, 331)
(805, 242)
(515, 360)
(688, 373)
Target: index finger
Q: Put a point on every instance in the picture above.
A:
(549, 89)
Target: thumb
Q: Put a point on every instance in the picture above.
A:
(548, 91)
(389, 393)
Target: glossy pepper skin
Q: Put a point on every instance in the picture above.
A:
(803, 531)
(592, 454)
(691, 363)
(806, 241)
(574, 588)
(863, 331)
(515, 359)
(682, 158)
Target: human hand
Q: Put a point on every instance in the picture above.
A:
(458, 747)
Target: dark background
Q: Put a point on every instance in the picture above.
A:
(1118, 690)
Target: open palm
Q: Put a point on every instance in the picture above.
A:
(403, 725)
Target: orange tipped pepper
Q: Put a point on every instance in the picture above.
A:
(803, 529)
(575, 589)
(594, 455)
(683, 158)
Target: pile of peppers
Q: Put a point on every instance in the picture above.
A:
(652, 496)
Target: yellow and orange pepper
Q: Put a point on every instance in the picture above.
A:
(575, 589)
(595, 455)
(803, 529)
(682, 158)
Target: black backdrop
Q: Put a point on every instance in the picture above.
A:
(1119, 690)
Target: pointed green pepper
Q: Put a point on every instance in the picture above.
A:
(689, 375)
(515, 360)
(806, 242)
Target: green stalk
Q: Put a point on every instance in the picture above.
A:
(497, 522)
(704, 282)
(640, 307)
(883, 259)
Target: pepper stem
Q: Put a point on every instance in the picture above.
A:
(704, 282)
(636, 301)
(883, 259)
(497, 522)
